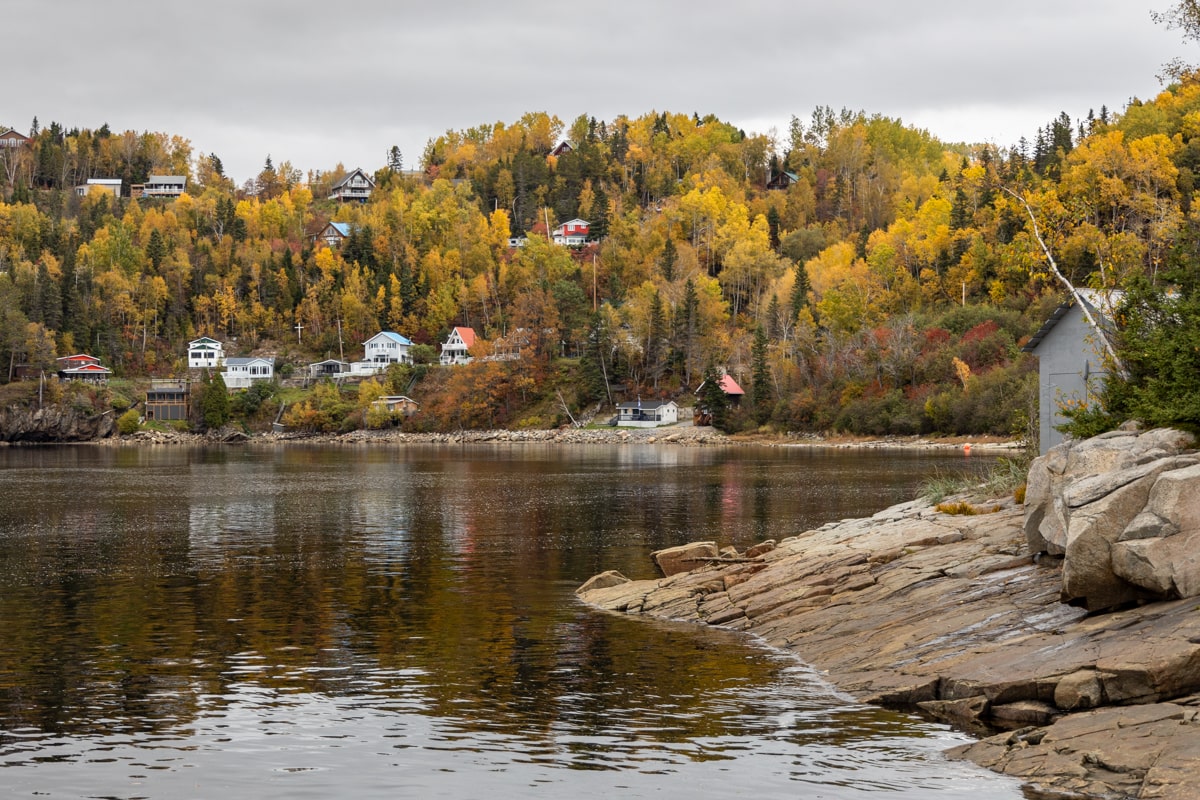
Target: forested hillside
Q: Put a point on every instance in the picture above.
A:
(884, 287)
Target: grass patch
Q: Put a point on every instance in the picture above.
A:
(1005, 478)
(960, 508)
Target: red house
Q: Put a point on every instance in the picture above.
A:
(82, 367)
(11, 138)
(76, 361)
(573, 233)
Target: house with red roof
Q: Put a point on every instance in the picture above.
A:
(455, 350)
(82, 367)
(733, 393)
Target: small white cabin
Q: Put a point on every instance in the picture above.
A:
(647, 413)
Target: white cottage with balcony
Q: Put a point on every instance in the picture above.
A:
(381, 351)
(458, 343)
(205, 353)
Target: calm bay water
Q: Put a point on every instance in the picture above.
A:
(399, 622)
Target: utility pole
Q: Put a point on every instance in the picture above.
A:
(341, 354)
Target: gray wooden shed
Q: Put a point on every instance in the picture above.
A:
(1071, 364)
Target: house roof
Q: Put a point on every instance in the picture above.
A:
(329, 361)
(356, 171)
(103, 182)
(77, 357)
(391, 336)
(244, 362)
(88, 369)
(466, 334)
(167, 179)
(13, 134)
(343, 228)
(647, 405)
(203, 340)
(730, 386)
(1100, 303)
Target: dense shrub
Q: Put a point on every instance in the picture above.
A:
(129, 422)
(879, 415)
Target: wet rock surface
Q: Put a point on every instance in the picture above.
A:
(956, 616)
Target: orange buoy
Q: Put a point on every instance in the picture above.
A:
(967, 449)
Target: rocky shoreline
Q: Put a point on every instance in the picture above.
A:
(683, 435)
(960, 615)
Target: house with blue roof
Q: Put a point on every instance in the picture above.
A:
(334, 233)
(381, 351)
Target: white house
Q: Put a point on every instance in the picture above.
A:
(205, 353)
(1071, 364)
(110, 185)
(647, 413)
(572, 233)
(240, 373)
(454, 349)
(356, 186)
(386, 348)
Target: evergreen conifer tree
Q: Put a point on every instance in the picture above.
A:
(214, 402)
(713, 401)
(761, 373)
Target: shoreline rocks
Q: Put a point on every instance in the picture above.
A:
(958, 617)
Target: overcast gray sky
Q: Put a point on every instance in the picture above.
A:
(328, 82)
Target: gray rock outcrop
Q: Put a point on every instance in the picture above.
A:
(955, 615)
(1122, 509)
(55, 423)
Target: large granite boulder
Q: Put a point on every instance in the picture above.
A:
(1046, 511)
(1120, 509)
(1160, 548)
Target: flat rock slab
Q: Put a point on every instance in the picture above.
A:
(914, 606)
(1149, 751)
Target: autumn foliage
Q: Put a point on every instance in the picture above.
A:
(892, 280)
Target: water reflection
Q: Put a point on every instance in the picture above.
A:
(274, 622)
